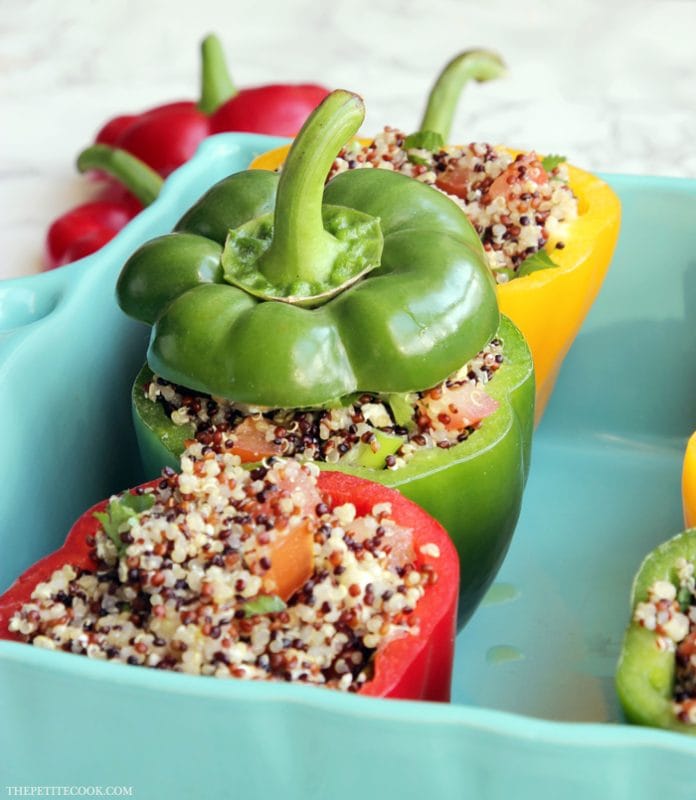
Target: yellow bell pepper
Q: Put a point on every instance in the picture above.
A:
(689, 483)
(550, 305)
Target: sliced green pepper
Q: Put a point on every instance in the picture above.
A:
(385, 445)
(645, 674)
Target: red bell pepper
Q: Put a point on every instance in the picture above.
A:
(167, 136)
(88, 227)
(415, 666)
(164, 138)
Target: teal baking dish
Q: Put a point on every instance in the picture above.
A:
(534, 704)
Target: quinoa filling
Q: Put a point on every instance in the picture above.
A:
(195, 582)
(515, 203)
(670, 612)
(378, 431)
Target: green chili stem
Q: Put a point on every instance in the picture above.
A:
(216, 84)
(129, 171)
(301, 249)
(478, 65)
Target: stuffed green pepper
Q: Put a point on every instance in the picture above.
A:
(354, 325)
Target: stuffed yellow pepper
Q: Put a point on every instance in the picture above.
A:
(548, 229)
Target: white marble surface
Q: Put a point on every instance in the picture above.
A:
(609, 83)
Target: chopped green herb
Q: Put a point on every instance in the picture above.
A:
(537, 261)
(684, 598)
(120, 514)
(263, 604)
(424, 140)
(552, 161)
(416, 159)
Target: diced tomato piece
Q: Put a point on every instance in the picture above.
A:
(454, 180)
(400, 543)
(301, 487)
(291, 556)
(687, 648)
(291, 552)
(251, 443)
(525, 167)
(459, 407)
(398, 539)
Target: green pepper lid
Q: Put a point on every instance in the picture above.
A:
(375, 283)
(305, 252)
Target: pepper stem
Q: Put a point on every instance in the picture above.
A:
(216, 84)
(129, 171)
(302, 250)
(478, 65)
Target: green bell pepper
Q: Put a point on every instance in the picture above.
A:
(401, 299)
(645, 676)
(474, 489)
(427, 306)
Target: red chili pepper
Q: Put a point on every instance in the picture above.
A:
(167, 136)
(415, 666)
(88, 227)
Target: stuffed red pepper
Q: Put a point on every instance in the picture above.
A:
(277, 573)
